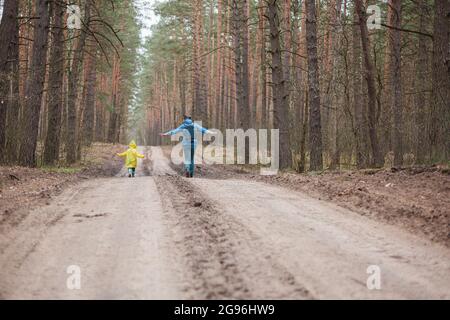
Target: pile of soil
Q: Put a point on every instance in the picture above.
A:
(23, 188)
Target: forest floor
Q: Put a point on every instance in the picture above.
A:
(24, 188)
(227, 233)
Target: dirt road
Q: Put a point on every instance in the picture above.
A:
(164, 236)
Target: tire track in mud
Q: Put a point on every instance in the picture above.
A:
(224, 259)
(204, 245)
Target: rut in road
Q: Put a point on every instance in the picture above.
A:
(307, 248)
(221, 255)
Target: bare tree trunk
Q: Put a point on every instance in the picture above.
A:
(370, 78)
(182, 85)
(8, 28)
(123, 119)
(280, 94)
(13, 109)
(440, 113)
(236, 33)
(240, 41)
(397, 85)
(245, 107)
(195, 60)
(287, 42)
(315, 127)
(421, 99)
(261, 26)
(73, 78)
(209, 69)
(35, 86)
(358, 111)
(305, 116)
(112, 127)
(222, 124)
(99, 114)
(326, 80)
(393, 89)
(332, 103)
(199, 101)
(387, 86)
(89, 110)
(218, 83)
(115, 98)
(55, 94)
(299, 50)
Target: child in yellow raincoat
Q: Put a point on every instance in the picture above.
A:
(131, 158)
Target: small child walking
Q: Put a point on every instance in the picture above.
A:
(131, 158)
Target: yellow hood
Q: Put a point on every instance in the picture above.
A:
(132, 144)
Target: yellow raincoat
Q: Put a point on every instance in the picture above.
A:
(131, 155)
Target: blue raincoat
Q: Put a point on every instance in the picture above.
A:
(188, 128)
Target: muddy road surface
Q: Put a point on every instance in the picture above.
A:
(163, 236)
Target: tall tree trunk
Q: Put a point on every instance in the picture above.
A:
(280, 94)
(237, 32)
(182, 85)
(240, 40)
(89, 109)
(55, 94)
(440, 116)
(223, 98)
(74, 79)
(112, 127)
(376, 160)
(218, 83)
(387, 87)
(245, 107)
(287, 43)
(358, 110)
(332, 103)
(421, 99)
(299, 48)
(315, 127)
(114, 114)
(262, 26)
(13, 109)
(35, 86)
(305, 116)
(397, 83)
(199, 102)
(99, 113)
(8, 28)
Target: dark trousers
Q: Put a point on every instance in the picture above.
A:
(189, 156)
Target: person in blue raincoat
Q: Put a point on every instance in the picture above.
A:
(188, 128)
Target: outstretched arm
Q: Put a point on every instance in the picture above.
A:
(123, 154)
(174, 131)
(139, 155)
(201, 129)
